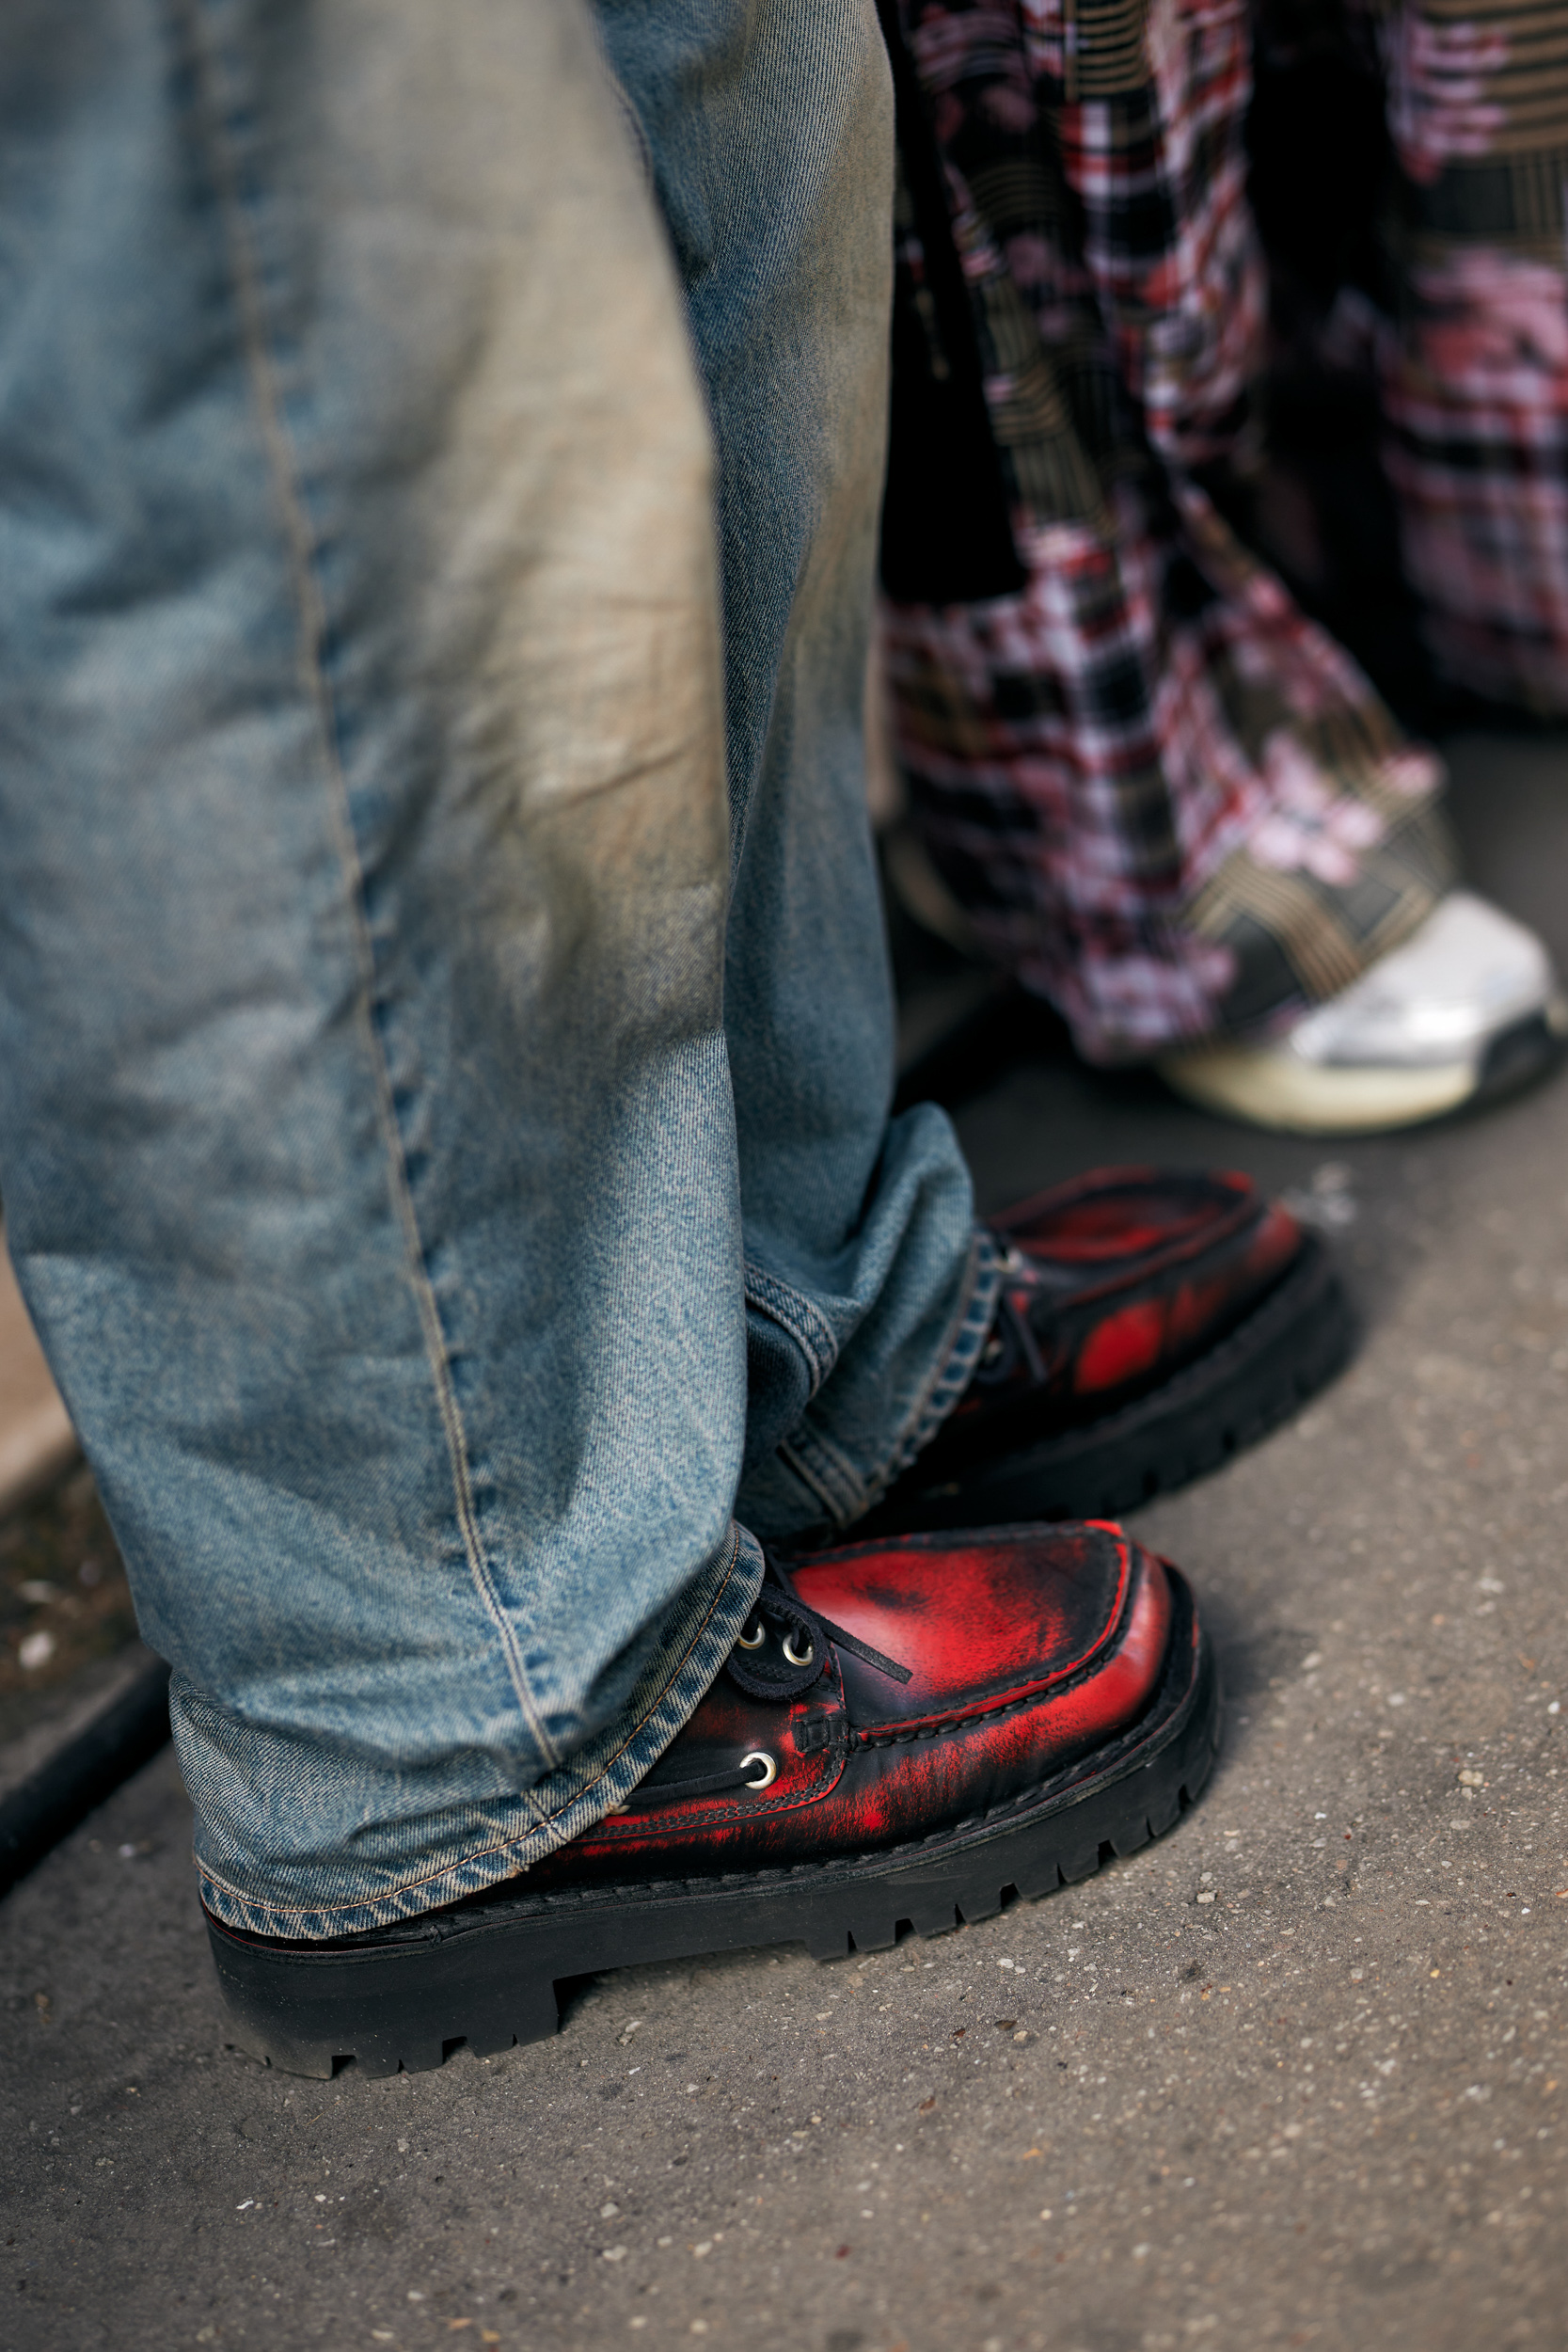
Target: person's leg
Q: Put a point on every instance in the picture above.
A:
(1149, 785)
(770, 128)
(1472, 359)
(362, 712)
(365, 1124)
(1155, 791)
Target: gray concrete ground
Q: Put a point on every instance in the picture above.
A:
(1295, 2075)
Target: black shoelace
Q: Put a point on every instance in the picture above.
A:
(780, 1654)
(787, 1665)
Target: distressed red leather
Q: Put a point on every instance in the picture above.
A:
(1027, 1648)
(1113, 1283)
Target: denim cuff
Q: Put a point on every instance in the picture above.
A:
(826, 1477)
(470, 1851)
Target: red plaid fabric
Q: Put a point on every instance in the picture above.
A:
(1473, 361)
(1161, 795)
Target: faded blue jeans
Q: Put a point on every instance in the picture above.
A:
(445, 1029)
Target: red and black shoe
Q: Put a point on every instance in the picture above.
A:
(907, 1735)
(1150, 1325)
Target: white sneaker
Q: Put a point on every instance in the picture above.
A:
(1469, 1007)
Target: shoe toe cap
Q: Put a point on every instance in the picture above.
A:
(982, 1621)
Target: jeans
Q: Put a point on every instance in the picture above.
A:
(445, 1027)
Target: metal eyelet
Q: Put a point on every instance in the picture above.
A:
(769, 1769)
(751, 1636)
(797, 1657)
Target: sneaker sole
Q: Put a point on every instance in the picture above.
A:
(486, 1978)
(1257, 1377)
(1262, 1090)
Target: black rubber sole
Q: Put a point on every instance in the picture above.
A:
(486, 1978)
(1288, 1348)
(1521, 1057)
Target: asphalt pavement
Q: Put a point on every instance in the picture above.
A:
(1296, 2074)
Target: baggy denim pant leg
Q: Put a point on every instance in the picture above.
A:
(368, 1129)
(768, 127)
(365, 1124)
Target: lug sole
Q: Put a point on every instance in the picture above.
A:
(486, 1978)
(1290, 1347)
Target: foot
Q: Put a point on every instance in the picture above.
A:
(1150, 1324)
(907, 1734)
(1466, 1011)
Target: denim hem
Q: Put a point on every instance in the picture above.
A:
(801, 1316)
(711, 1613)
(845, 1491)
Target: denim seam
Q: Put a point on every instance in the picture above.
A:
(584, 1806)
(847, 1492)
(236, 200)
(805, 1320)
(831, 1475)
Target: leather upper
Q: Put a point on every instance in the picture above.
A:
(1114, 1282)
(978, 1619)
(1025, 1649)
